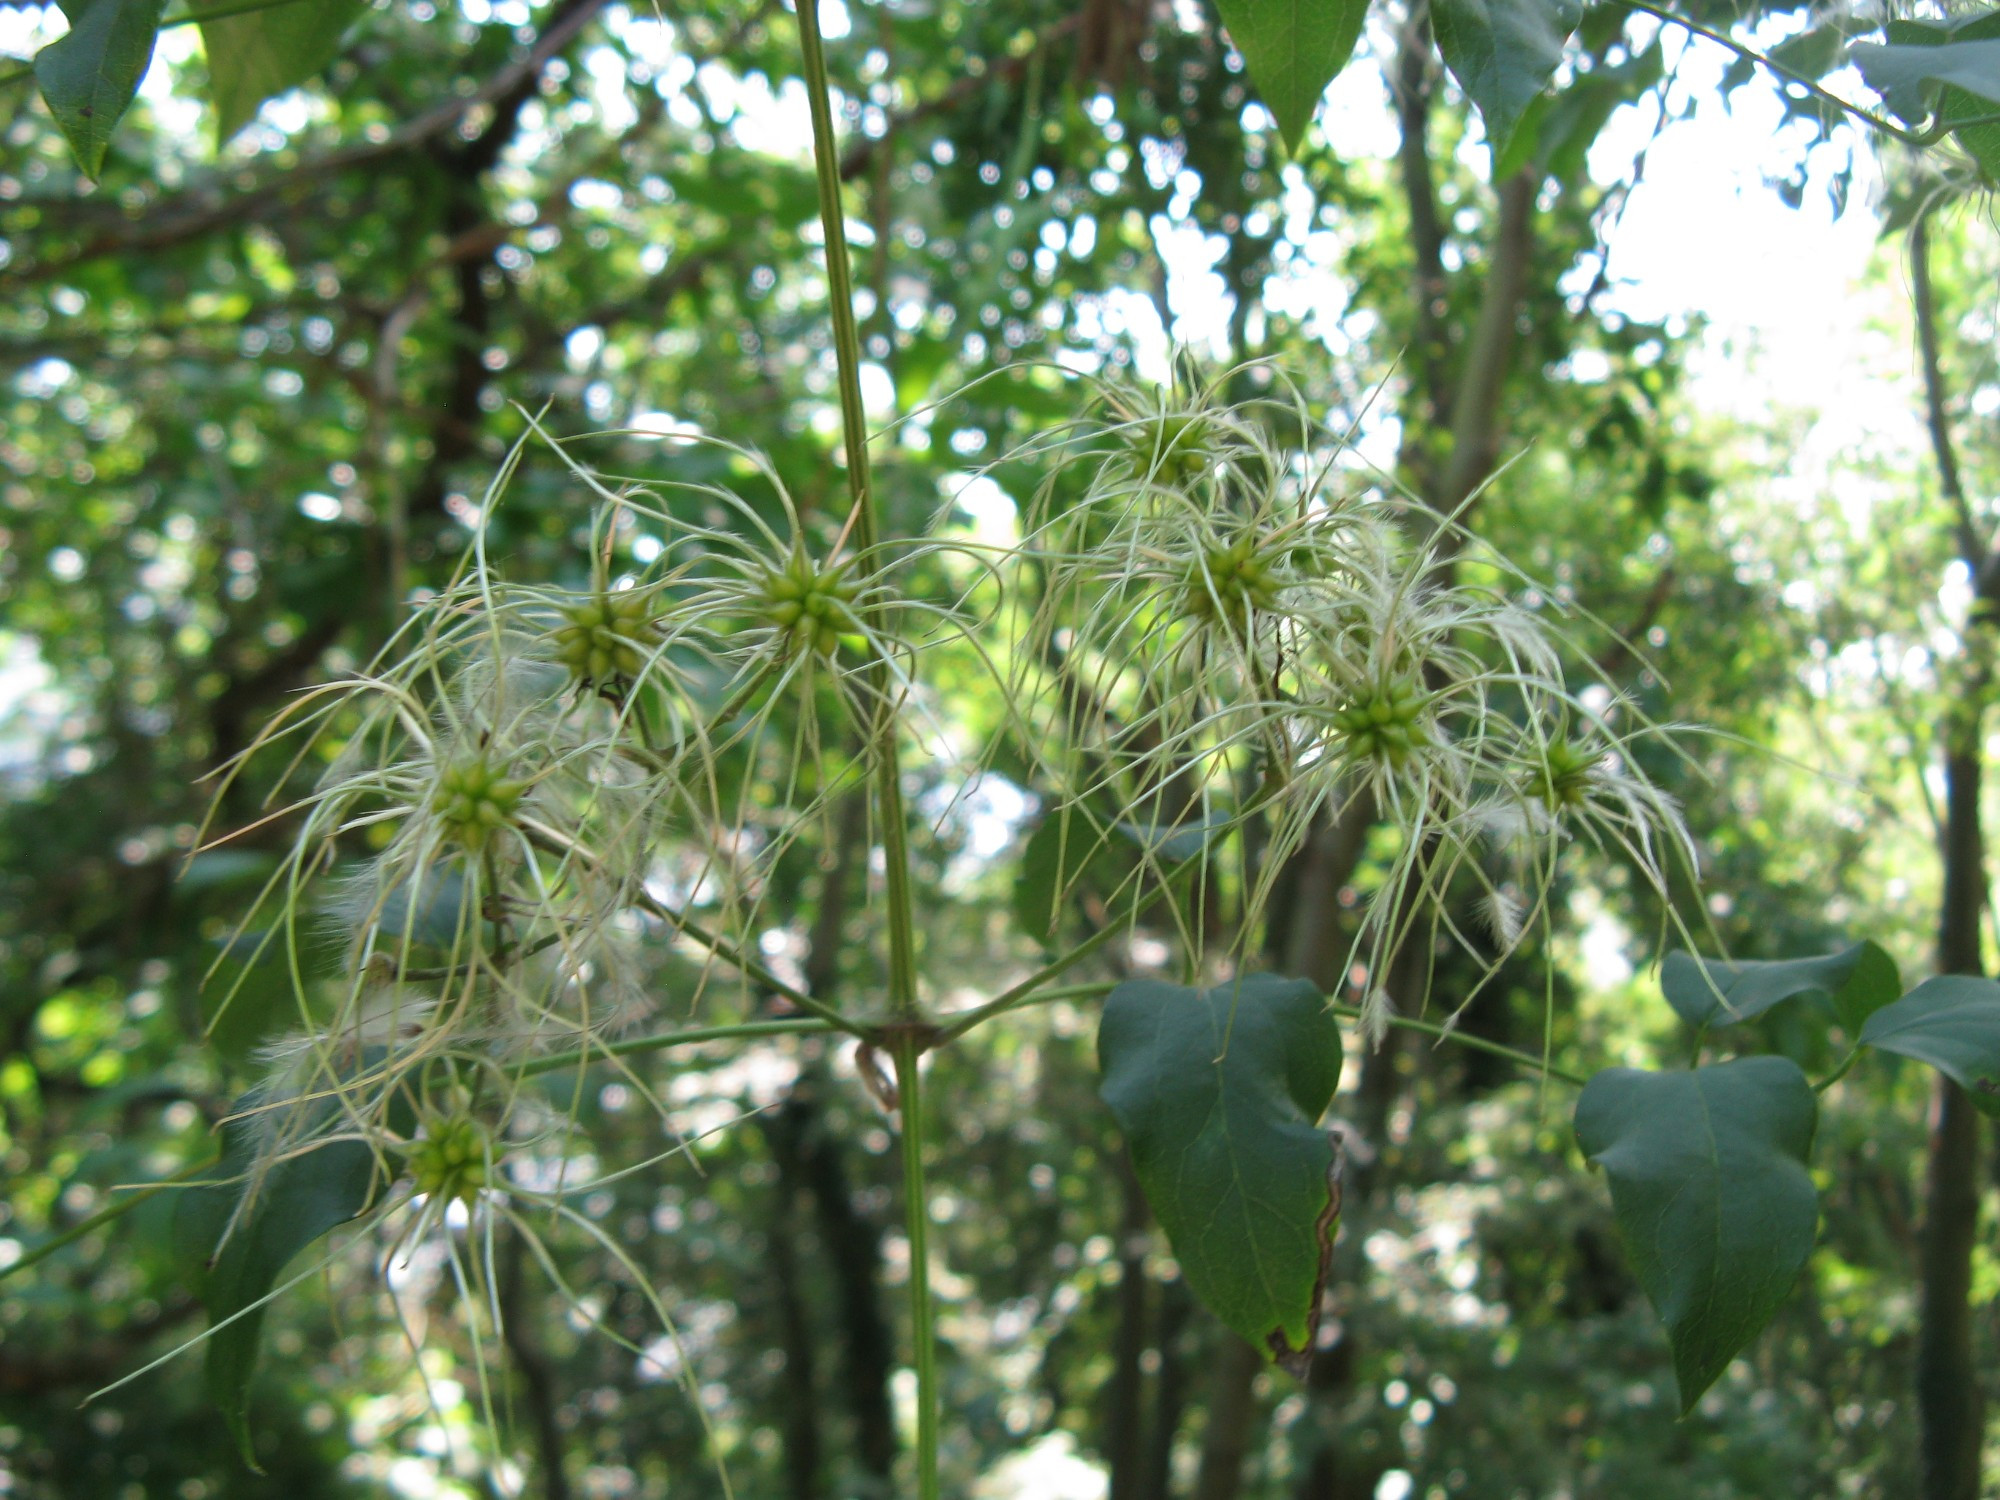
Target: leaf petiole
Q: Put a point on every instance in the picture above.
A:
(1853, 1054)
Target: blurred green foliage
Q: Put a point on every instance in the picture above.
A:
(252, 396)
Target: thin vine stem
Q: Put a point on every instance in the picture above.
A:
(1025, 992)
(1840, 1072)
(854, 438)
(550, 842)
(908, 1054)
(904, 1051)
(741, 1031)
(908, 1040)
(121, 1206)
(1918, 138)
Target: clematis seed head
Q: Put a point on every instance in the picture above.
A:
(473, 801)
(607, 638)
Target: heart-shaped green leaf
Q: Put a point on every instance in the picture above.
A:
(278, 1208)
(1897, 69)
(90, 76)
(1708, 992)
(1713, 1199)
(1219, 1093)
(257, 54)
(1951, 1022)
(1294, 49)
(1503, 53)
(1910, 96)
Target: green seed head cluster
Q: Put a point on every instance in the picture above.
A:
(1386, 722)
(1562, 780)
(606, 639)
(474, 800)
(1374, 680)
(450, 1159)
(1231, 584)
(1245, 638)
(809, 607)
(1210, 626)
(1170, 448)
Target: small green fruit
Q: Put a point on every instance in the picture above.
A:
(608, 638)
(450, 1159)
(1229, 585)
(1169, 449)
(808, 608)
(473, 801)
(1563, 778)
(1385, 722)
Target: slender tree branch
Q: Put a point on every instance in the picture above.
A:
(218, 201)
(1489, 356)
(916, 1219)
(1789, 75)
(1937, 420)
(861, 151)
(1415, 79)
(518, 1330)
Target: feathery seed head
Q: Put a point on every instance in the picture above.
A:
(606, 640)
(1385, 722)
(1562, 778)
(474, 800)
(1172, 448)
(809, 607)
(1231, 583)
(451, 1158)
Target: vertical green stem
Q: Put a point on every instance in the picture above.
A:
(916, 1221)
(909, 1041)
(854, 435)
(839, 276)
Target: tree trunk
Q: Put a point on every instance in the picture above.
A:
(531, 1363)
(1949, 1400)
(853, 1249)
(801, 1433)
(1156, 1477)
(1232, 1416)
(1124, 1434)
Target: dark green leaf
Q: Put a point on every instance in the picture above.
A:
(1954, 105)
(245, 1004)
(278, 1208)
(1294, 49)
(258, 54)
(1219, 1093)
(1813, 53)
(1712, 1196)
(1063, 856)
(1555, 132)
(1503, 53)
(1899, 72)
(1951, 1022)
(1173, 841)
(1740, 71)
(90, 76)
(1708, 992)
(215, 869)
(437, 914)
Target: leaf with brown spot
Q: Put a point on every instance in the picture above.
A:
(1219, 1093)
